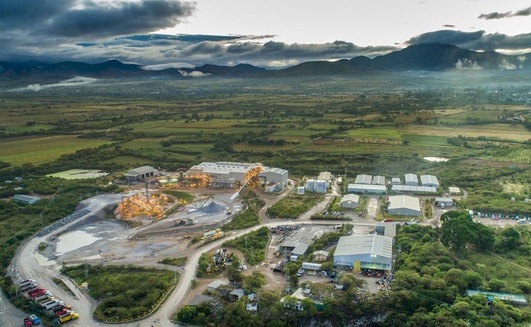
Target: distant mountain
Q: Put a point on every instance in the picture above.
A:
(428, 57)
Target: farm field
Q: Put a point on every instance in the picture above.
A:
(42, 149)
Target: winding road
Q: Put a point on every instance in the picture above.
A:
(28, 263)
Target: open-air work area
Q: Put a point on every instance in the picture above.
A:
(206, 206)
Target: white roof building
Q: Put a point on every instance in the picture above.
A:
(378, 180)
(411, 179)
(454, 190)
(349, 201)
(395, 181)
(429, 180)
(370, 251)
(413, 189)
(366, 188)
(277, 176)
(404, 205)
(363, 179)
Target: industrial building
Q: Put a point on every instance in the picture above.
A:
(444, 202)
(396, 181)
(404, 205)
(411, 179)
(234, 174)
(316, 185)
(275, 176)
(363, 179)
(140, 173)
(225, 174)
(25, 199)
(366, 189)
(364, 252)
(413, 189)
(429, 180)
(349, 201)
(378, 180)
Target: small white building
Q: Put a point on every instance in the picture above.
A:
(363, 179)
(454, 190)
(411, 179)
(349, 201)
(429, 180)
(444, 202)
(320, 255)
(404, 205)
(396, 181)
(310, 266)
(300, 190)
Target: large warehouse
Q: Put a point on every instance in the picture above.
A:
(404, 205)
(232, 174)
(411, 179)
(364, 252)
(429, 180)
(366, 189)
(363, 179)
(140, 173)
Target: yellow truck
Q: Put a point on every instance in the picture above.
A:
(67, 317)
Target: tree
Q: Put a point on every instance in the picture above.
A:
(457, 231)
(484, 240)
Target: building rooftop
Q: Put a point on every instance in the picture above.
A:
(217, 283)
(429, 179)
(368, 187)
(140, 170)
(320, 252)
(326, 175)
(25, 198)
(378, 180)
(411, 178)
(404, 201)
(350, 197)
(411, 188)
(365, 244)
(363, 179)
(225, 167)
(274, 170)
(300, 249)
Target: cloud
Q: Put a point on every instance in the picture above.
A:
(194, 73)
(39, 27)
(505, 65)
(478, 40)
(467, 64)
(447, 36)
(76, 81)
(498, 15)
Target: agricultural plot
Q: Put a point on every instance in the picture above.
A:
(516, 133)
(384, 132)
(38, 150)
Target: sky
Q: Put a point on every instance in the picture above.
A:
(273, 33)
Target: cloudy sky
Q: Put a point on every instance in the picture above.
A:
(273, 33)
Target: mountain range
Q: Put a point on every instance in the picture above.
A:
(422, 57)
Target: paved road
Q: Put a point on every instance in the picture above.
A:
(26, 265)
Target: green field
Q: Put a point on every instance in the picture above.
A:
(41, 149)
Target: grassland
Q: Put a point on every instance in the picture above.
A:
(41, 149)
